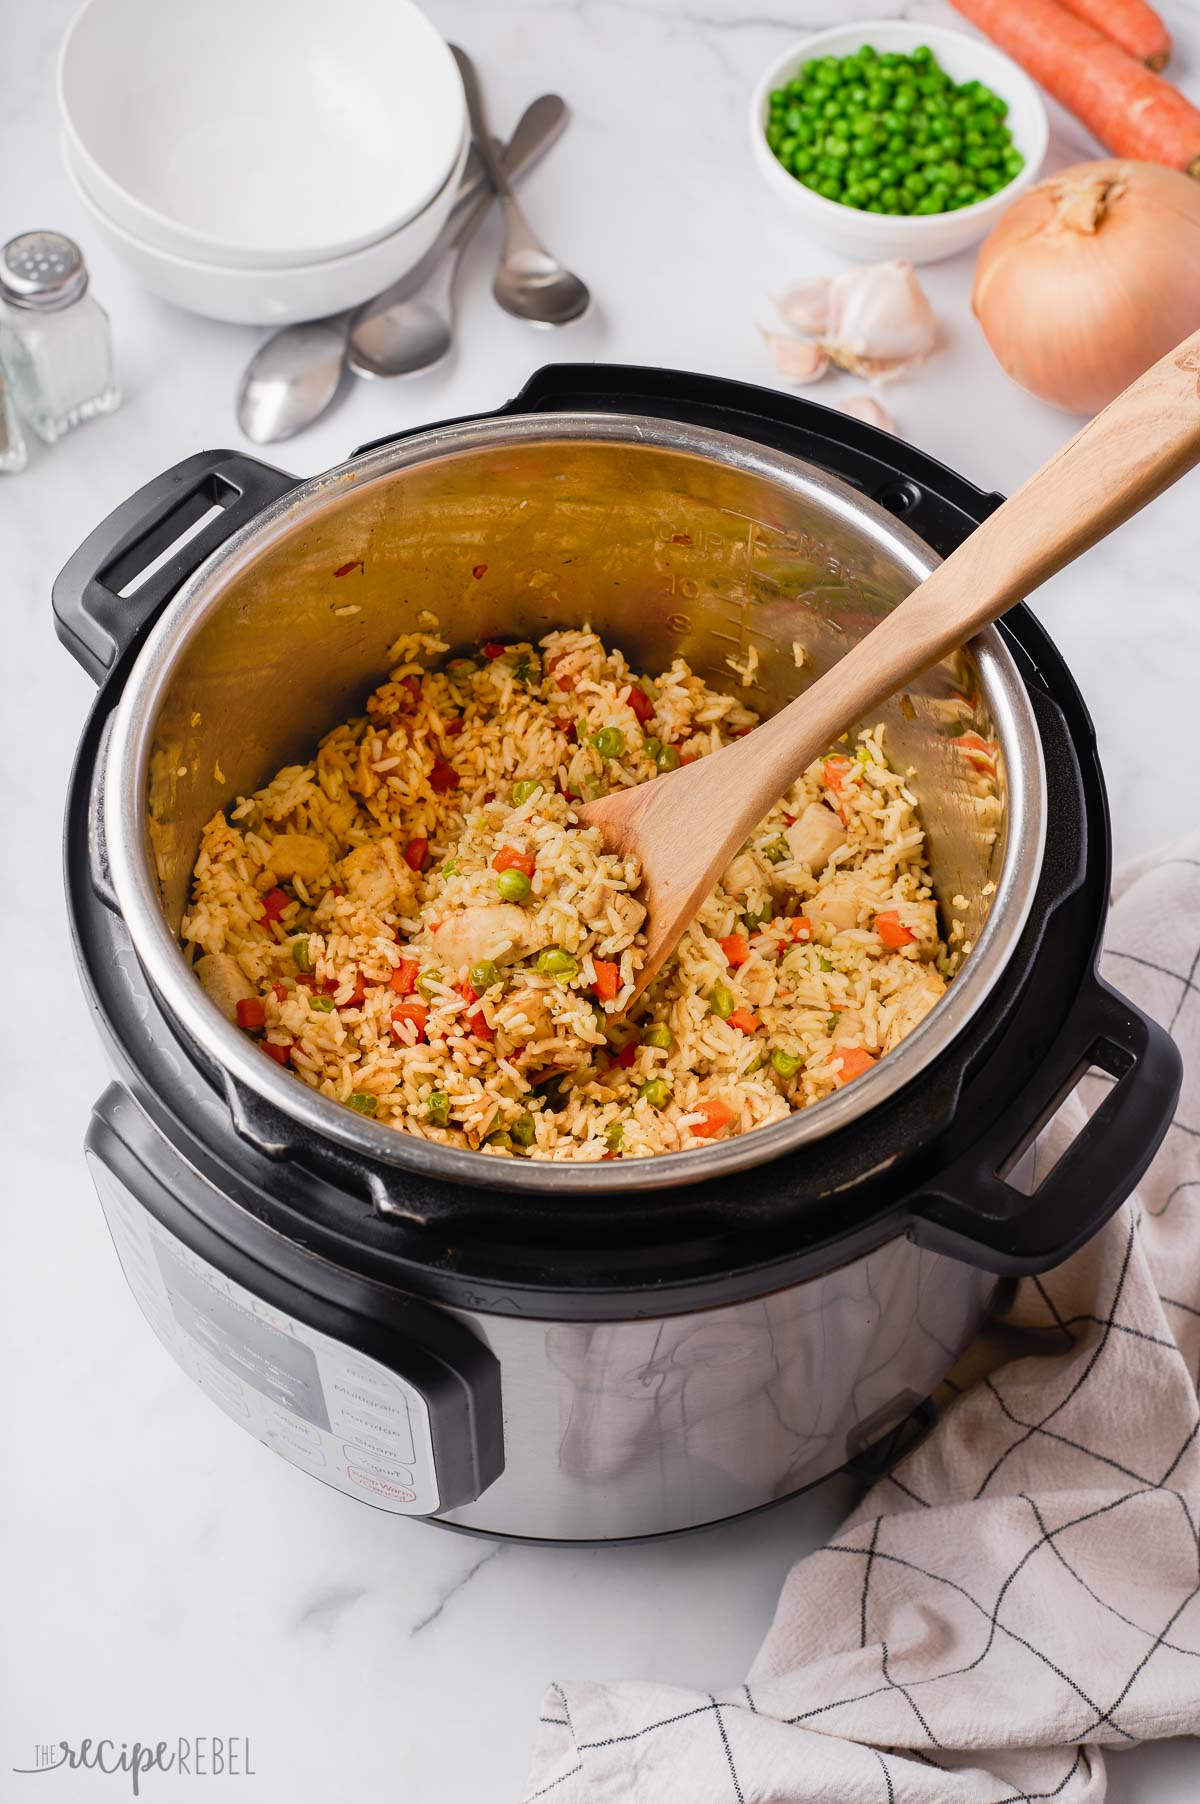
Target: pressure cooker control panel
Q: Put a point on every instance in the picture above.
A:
(327, 1408)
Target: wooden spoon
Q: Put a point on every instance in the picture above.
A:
(685, 827)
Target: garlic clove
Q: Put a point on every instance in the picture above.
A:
(880, 320)
(805, 306)
(866, 407)
(796, 359)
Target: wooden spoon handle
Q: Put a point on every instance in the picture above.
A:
(1140, 444)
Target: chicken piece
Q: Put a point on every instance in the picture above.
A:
(839, 904)
(746, 872)
(533, 1006)
(911, 1007)
(497, 930)
(299, 855)
(225, 981)
(815, 837)
(604, 907)
(921, 920)
(377, 875)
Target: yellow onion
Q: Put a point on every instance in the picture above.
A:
(1090, 277)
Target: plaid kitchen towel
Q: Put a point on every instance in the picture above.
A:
(1021, 1595)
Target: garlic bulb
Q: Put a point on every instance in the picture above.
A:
(874, 321)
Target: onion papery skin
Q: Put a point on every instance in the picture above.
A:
(1089, 278)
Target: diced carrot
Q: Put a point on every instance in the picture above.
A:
(442, 777)
(358, 994)
(411, 685)
(687, 758)
(855, 1060)
(744, 1021)
(508, 858)
(892, 931)
(801, 927)
(493, 650)
(641, 704)
(416, 853)
(404, 978)
(1132, 111)
(251, 1014)
(564, 680)
(977, 749)
(836, 771)
(736, 948)
(608, 978)
(410, 1014)
(281, 1052)
(274, 903)
(477, 1021)
(715, 1116)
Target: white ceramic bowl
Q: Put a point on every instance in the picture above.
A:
(274, 297)
(260, 133)
(922, 238)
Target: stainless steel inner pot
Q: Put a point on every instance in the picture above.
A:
(667, 539)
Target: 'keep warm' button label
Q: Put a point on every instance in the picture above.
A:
(382, 1487)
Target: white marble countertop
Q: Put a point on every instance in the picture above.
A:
(161, 1573)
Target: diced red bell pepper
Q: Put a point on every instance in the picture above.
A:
(279, 991)
(641, 704)
(478, 570)
(715, 1116)
(508, 858)
(416, 853)
(411, 686)
(855, 1060)
(404, 978)
(687, 758)
(410, 1014)
(608, 978)
(280, 1051)
(454, 727)
(744, 1021)
(251, 1014)
(565, 726)
(491, 649)
(564, 681)
(442, 777)
(627, 1055)
(274, 903)
(892, 931)
(355, 563)
(736, 948)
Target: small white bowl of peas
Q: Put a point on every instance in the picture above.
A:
(897, 140)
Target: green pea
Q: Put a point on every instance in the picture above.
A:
(786, 1063)
(513, 885)
(823, 963)
(323, 1005)
(656, 1091)
(301, 957)
(660, 1036)
(667, 758)
(609, 742)
(556, 961)
(652, 747)
(614, 1134)
(459, 668)
(502, 1138)
(437, 1109)
(778, 849)
(523, 790)
(426, 982)
(523, 1130)
(483, 976)
(779, 96)
(754, 1065)
(364, 1102)
(722, 1000)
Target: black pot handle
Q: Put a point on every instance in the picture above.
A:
(93, 619)
(973, 1213)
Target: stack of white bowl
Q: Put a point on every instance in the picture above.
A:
(263, 160)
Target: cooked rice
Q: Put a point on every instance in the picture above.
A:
(535, 1066)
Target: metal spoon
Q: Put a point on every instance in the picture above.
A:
(403, 336)
(297, 372)
(529, 282)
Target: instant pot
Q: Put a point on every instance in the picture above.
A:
(637, 1346)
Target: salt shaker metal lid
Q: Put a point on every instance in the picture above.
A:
(42, 270)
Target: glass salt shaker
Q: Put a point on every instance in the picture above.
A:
(54, 336)
(12, 444)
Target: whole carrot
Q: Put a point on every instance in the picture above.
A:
(1132, 111)
(1132, 24)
